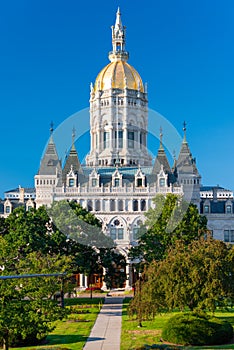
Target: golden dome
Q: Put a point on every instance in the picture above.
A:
(118, 75)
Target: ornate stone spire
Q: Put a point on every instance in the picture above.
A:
(184, 130)
(73, 137)
(50, 162)
(72, 160)
(161, 136)
(186, 163)
(51, 128)
(161, 158)
(118, 52)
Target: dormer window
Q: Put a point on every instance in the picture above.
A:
(162, 182)
(139, 178)
(71, 182)
(94, 179)
(139, 182)
(228, 209)
(94, 182)
(50, 162)
(117, 178)
(162, 178)
(8, 209)
(71, 178)
(206, 209)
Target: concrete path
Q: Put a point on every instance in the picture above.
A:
(106, 332)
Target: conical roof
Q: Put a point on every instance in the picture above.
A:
(186, 163)
(50, 163)
(161, 159)
(72, 160)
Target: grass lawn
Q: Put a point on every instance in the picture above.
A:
(133, 337)
(72, 333)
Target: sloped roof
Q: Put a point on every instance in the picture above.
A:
(186, 163)
(50, 162)
(72, 160)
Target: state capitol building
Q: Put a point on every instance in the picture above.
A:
(119, 178)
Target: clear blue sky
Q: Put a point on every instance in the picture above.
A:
(52, 49)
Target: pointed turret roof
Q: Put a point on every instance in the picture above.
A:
(72, 160)
(186, 163)
(161, 159)
(50, 163)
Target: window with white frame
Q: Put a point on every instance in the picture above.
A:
(106, 139)
(131, 139)
(8, 209)
(117, 233)
(94, 182)
(228, 235)
(119, 139)
(71, 182)
(162, 182)
(136, 233)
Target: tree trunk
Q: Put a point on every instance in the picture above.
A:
(6, 341)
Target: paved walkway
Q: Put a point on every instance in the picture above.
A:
(106, 331)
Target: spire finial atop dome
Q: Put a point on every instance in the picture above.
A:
(118, 52)
(118, 22)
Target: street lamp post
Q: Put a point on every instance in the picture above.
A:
(140, 308)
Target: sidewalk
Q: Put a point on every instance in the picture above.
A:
(106, 331)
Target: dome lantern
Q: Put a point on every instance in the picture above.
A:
(119, 74)
(118, 40)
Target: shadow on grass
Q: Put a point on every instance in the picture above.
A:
(55, 339)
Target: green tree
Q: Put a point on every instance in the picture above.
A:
(94, 250)
(27, 308)
(32, 230)
(79, 225)
(171, 219)
(198, 276)
(115, 264)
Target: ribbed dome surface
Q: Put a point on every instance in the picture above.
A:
(119, 75)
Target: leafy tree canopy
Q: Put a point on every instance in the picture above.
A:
(27, 308)
(171, 219)
(198, 276)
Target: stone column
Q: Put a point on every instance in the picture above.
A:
(127, 284)
(81, 280)
(86, 282)
(104, 287)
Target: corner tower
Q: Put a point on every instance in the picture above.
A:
(118, 110)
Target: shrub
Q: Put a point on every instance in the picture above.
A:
(197, 329)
